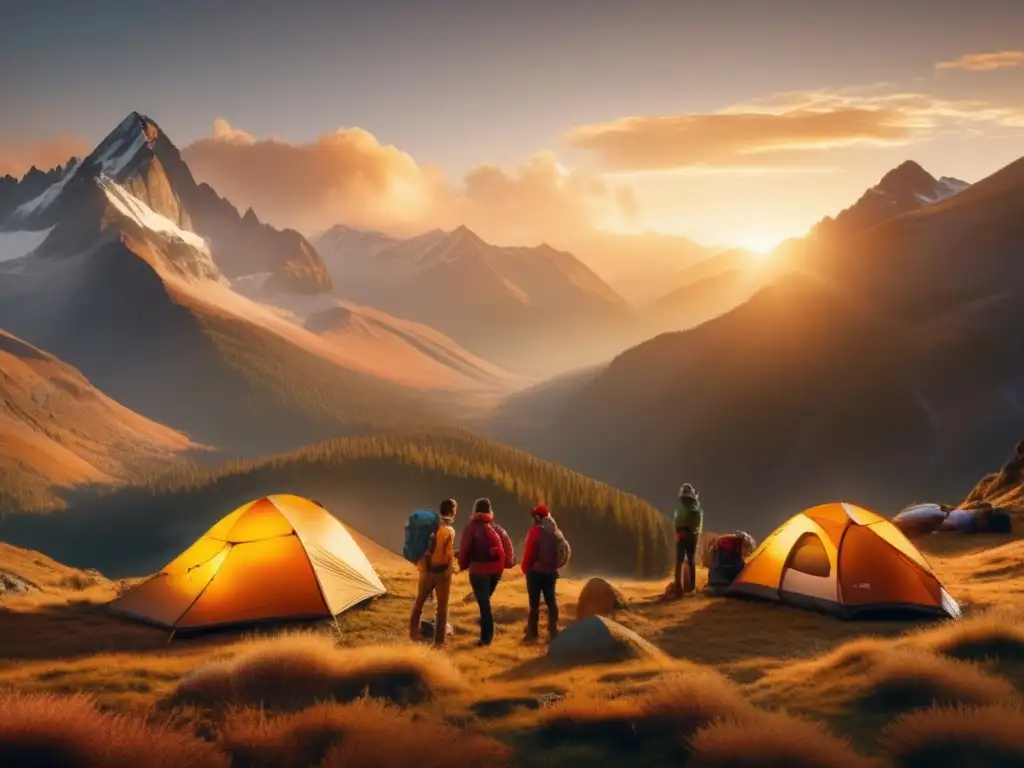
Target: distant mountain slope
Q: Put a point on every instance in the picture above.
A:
(406, 352)
(642, 266)
(536, 311)
(133, 297)
(140, 158)
(57, 431)
(373, 484)
(905, 188)
(382, 345)
(891, 369)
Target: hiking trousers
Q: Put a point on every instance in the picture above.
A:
(538, 585)
(686, 549)
(483, 588)
(441, 585)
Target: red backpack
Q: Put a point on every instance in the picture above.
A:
(485, 541)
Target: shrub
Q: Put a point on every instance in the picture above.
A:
(908, 678)
(948, 737)
(771, 741)
(70, 731)
(293, 671)
(673, 710)
(363, 734)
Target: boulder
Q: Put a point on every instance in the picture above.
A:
(427, 629)
(599, 640)
(598, 598)
(14, 585)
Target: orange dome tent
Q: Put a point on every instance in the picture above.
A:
(279, 557)
(844, 560)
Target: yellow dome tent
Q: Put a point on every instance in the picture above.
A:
(844, 560)
(279, 557)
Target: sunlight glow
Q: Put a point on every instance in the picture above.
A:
(762, 245)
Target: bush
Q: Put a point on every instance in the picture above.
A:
(952, 737)
(990, 636)
(771, 741)
(293, 671)
(672, 711)
(70, 731)
(908, 678)
(364, 734)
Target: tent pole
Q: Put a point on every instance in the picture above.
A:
(170, 637)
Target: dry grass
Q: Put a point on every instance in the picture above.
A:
(997, 635)
(71, 731)
(771, 740)
(661, 720)
(992, 737)
(365, 734)
(907, 678)
(294, 671)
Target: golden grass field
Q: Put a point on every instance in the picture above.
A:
(742, 683)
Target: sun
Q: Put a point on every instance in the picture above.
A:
(760, 244)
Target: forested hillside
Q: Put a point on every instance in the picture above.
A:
(370, 483)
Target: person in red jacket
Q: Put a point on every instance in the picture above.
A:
(485, 550)
(540, 564)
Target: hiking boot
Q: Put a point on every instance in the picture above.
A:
(532, 634)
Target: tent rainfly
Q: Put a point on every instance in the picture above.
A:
(279, 557)
(844, 560)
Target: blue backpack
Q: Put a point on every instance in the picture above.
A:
(420, 533)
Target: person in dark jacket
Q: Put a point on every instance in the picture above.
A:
(540, 564)
(485, 550)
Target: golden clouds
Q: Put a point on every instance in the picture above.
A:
(348, 176)
(17, 157)
(783, 130)
(731, 138)
(985, 62)
(301, 185)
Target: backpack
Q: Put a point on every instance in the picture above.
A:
(420, 534)
(554, 546)
(485, 539)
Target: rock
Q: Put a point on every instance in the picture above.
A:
(427, 629)
(13, 585)
(599, 640)
(493, 709)
(598, 597)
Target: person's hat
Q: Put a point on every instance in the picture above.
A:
(540, 511)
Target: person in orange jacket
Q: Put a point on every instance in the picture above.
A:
(435, 576)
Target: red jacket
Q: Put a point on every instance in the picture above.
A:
(531, 554)
(483, 534)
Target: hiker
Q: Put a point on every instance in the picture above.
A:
(485, 550)
(546, 551)
(688, 520)
(436, 567)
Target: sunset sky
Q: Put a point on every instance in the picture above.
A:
(729, 122)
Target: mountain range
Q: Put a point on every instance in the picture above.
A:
(874, 358)
(534, 311)
(129, 283)
(885, 364)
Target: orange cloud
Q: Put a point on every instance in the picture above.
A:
(349, 177)
(782, 130)
(731, 138)
(985, 62)
(17, 157)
